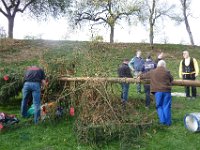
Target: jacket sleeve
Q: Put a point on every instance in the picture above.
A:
(131, 63)
(145, 75)
(196, 67)
(171, 77)
(180, 69)
(119, 71)
(128, 72)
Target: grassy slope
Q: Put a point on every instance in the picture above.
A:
(60, 135)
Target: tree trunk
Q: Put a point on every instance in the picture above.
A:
(10, 26)
(189, 31)
(187, 23)
(112, 34)
(151, 36)
(152, 22)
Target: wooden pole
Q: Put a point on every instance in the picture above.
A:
(109, 79)
(128, 80)
(186, 83)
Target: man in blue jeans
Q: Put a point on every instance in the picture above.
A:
(160, 86)
(149, 64)
(124, 72)
(34, 77)
(136, 65)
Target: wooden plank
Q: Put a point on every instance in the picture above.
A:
(129, 80)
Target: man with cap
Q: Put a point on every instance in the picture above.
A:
(149, 64)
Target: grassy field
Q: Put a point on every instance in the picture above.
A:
(93, 59)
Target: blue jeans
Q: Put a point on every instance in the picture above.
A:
(125, 88)
(34, 89)
(163, 106)
(138, 85)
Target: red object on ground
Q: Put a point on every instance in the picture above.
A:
(47, 82)
(1, 126)
(44, 109)
(71, 111)
(6, 77)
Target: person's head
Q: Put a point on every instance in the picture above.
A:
(185, 54)
(126, 61)
(149, 56)
(161, 63)
(138, 53)
(160, 55)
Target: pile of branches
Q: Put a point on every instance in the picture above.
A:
(102, 118)
(10, 86)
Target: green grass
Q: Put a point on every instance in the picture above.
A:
(60, 135)
(56, 135)
(100, 60)
(176, 136)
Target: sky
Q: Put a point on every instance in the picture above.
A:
(168, 31)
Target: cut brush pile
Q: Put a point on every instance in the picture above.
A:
(101, 116)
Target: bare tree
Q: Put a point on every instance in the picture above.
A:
(107, 12)
(9, 8)
(186, 8)
(153, 10)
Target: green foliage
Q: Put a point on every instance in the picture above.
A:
(101, 60)
(107, 12)
(10, 88)
(97, 38)
(43, 8)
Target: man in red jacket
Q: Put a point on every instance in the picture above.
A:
(160, 86)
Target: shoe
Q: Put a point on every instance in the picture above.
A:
(123, 105)
(188, 98)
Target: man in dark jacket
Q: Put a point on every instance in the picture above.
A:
(34, 77)
(149, 64)
(160, 86)
(124, 72)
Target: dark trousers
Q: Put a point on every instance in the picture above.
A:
(147, 94)
(187, 88)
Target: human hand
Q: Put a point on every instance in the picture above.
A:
(138, 77)
(45, 83)
(132, 69)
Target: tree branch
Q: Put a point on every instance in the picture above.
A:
(6, 15)
(22, 10)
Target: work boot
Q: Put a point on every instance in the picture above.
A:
(123, 105)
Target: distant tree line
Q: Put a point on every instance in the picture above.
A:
(101, 12)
